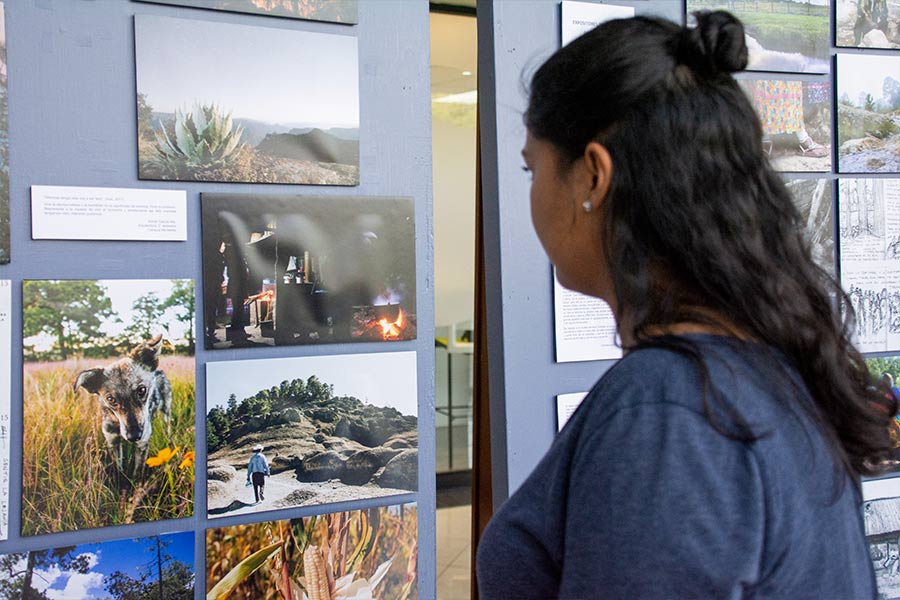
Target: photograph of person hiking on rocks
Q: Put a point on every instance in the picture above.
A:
(310, 430)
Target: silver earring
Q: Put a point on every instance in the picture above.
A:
(588, 207)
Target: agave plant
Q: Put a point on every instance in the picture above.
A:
(203, 137)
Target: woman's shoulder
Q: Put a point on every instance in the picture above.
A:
(685, 371)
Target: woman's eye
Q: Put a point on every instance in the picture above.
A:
(527, 170)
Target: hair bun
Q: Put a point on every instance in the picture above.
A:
(715, 45)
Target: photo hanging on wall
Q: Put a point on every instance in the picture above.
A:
(108, 402)
(782, 36)
(796, 122)
(868, 97)
(336, 11)
(286, 109)
(885, 371)
(870, 24)
(869, 221)
(293, 270)
(159, 566)
(4, 145)
(367, 553)
(814, 199)
(881, 518)
(311, 430)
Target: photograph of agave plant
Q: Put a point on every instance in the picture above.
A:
(354, 555)
(286, 110)
(337, 11)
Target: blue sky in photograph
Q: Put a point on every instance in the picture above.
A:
(382, 379)
(281, 76)
(127, 556)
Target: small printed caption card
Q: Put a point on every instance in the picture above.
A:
(89, 213)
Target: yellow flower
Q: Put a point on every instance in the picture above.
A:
(162, 457)
(188, 460)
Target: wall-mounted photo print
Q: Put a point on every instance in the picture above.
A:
(881, 515)
(160, 566)
(337, 11)
(868, 130)
(313, 430)
(796, 122)
(782, 35)
(869, 221)
(870, 24)
(286, 109)
(369, 553)
(283, 269)
(814, 199)
(108, 402)
(4, 145)
(885, 372)
(5, 402)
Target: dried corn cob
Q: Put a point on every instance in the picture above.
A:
(316, 573)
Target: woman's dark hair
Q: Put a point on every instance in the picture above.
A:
(698, 227)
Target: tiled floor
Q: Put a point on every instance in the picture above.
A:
(454, 551)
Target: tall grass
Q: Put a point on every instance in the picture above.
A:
(69, 477)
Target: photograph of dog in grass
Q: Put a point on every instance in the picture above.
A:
(108, 394)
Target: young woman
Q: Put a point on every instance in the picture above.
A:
(720, 458)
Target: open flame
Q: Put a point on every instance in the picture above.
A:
(392, 330)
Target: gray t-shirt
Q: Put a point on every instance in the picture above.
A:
(641, 497)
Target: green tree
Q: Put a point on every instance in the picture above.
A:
(869, 103)
(146, 313)
(70, 311)
(162, 578)
(890, 90)
(218, 427)
(17, 571)
(318, 392)
(181, 300)
(144, 118)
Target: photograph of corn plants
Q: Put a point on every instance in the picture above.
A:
(285, 110)
(337, 11)
(353, 555)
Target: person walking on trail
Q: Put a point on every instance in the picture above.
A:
(257, 470)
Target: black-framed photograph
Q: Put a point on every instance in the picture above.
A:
(293, 270)
(868, 98)
(354, 554)
(108, 402)
(310, 430)
(285, 110)
(782, 36)
(158, 566)
(335, 11)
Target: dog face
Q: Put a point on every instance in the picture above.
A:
(124, 389)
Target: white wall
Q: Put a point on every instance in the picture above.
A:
(453, 147)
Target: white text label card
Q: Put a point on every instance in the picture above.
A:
(88, 213)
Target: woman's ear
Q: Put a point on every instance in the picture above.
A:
(599, 166)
